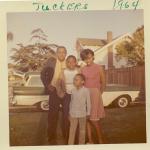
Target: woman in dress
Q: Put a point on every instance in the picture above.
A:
(95, 82)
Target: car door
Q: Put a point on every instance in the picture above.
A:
(33, 86)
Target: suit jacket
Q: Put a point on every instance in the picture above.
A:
(48, 72)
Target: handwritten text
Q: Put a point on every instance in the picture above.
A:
(126, 4)
(60, 6)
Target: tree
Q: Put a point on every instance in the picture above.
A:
(32, 57)
(133, 48)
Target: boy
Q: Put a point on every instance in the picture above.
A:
(79, 109)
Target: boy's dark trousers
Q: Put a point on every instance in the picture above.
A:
(65, 116)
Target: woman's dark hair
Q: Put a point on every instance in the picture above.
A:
(71, 56)
(84, 53)
(81, 76)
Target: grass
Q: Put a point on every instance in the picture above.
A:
(128, 125)
(125, 125)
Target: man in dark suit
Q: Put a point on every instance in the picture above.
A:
(49, 76)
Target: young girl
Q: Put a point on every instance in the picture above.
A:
(67, 77)
(95, 81)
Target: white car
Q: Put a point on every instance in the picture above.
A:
(32, 93)
(119, 95)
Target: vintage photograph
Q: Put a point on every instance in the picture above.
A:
(76, 78)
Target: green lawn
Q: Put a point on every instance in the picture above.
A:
(120, 126)
(125, 125)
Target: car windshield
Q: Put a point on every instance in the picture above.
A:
(35, 81)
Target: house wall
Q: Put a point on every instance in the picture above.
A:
(102, 56)
(107, 55)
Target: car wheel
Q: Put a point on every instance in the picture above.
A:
(44, 105)
(123, 101)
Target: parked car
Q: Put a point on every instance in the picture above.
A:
(32, 93)
(119, 95)
(15, 77)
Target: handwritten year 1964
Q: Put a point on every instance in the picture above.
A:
(126, 4)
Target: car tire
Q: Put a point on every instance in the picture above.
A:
(44, 105)
(123, 101)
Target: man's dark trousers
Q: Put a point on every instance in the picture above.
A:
(54, 105)
(65, 116)
(53, 114)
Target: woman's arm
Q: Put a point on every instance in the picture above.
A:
(88, 102)
(102, 79)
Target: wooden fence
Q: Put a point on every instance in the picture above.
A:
(131, 76)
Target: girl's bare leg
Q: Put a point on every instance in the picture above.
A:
(89, 133)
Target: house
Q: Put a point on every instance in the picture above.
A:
(104, 49)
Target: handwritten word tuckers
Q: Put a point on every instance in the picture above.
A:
(126, 4)
(60, 6)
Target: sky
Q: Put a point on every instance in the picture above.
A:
(63, 28)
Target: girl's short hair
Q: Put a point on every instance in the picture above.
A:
(71, 56)
(84, 53)
(81, 76)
